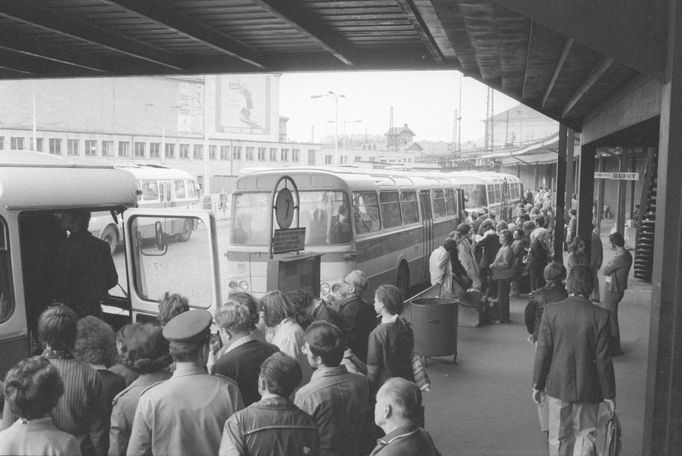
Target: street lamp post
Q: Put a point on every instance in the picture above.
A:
(336, 96)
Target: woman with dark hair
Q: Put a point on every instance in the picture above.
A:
(283, 330)
(538, 258)
(518, 248)
(503, 271)
(82, 411)
(120, 368)
(147, 354)
(33, 387)
(553, 291)
(576, 254)
(96, 345)
(391, 343)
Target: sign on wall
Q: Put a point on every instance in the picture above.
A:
(617, 176)
(243, 104)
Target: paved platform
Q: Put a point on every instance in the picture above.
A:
(482, 404)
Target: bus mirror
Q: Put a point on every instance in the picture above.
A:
(160, 237)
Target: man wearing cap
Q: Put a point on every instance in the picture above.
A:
(356, 316)
(186, 413)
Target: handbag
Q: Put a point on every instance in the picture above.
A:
(612, 435)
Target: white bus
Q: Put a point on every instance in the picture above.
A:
(35, 189)
(496, 192)
(395, 221)
(158, 187)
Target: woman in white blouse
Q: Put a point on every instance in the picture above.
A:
(283, 330)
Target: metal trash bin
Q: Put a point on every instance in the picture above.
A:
(434, 323)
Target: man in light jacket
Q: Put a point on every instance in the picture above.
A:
(616, 272)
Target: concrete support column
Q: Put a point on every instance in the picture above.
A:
(663, 410)
(570, 176)
(560, 196)
(620, 209)
(585, 199)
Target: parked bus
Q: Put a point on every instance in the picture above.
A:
(158, 187)
(497, 192)
(36, 189)
(393, 221)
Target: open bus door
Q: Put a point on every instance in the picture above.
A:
(163, 263)
(427, 230)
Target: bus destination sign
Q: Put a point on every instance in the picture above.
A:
(617, 176)
(288, 240)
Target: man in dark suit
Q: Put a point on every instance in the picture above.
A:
(573, 366)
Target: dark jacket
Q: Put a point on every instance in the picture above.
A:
(338, 401)
(486, 251)
(273, 426)
(357, 321)
(596, 252)
(324, 312)
(242, 365)
(85, 270)
(536, 305)
(406, 441)
(390, 353)
(573, 361)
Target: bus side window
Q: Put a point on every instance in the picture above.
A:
(438, 204)
(451, 204)
(366, 212)
(408, 205)
(6, 295)
(390, 209)
(150, 190)
(180, 192)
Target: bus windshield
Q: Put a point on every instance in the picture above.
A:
(476, 195)
(324, 214)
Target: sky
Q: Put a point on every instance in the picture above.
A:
(425, 100)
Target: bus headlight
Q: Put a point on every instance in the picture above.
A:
(324, 288)
(244, 285)
(233, 284)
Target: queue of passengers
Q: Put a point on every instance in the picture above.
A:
(287, 374)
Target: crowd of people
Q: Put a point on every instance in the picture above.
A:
(285, 374)
(484, 261)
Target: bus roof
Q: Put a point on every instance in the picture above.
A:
(155, 172)
(32, 180)
(340, 177)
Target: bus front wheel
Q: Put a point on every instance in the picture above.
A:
(403, 280)
(110, 236)
(186, 233)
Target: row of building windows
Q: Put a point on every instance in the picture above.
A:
(153, 150)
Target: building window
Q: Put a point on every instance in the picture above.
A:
(124, 149)
(2, 143)
(184, 151)
(295, 153)
(39, 144)
(358, 158)
(107, 148)
(328, 159)
(273, 155)
(16, 143)
(154, 149)
(55, 146)
(284, 155)
(237, 152)
(198, 152)
(139, 149)
(211, 152)
(261, 153)
(224, 152)
(72, 146)
(311, 157)
(170, 151)
(91, 147)
(249, 153)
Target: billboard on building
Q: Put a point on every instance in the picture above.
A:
(244, 105)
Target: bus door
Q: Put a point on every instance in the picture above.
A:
(427, 231)
(158, 264)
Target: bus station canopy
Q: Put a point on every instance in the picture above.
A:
(562, 58)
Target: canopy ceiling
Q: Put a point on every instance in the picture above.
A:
(562, 58)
